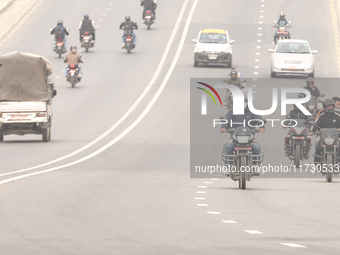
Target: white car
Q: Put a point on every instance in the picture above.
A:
(292, 57)
(213, 46)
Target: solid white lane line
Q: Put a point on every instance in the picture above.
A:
(135, 104)
(207, 182)
(199, 198)
(200, 192)
(229, 221)
(294, 245)
(201, 204)
(253, 232)
(201, 187)
(213, 212)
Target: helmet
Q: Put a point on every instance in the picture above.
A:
(328, 102)
(127, 18)
(310, 80)
(282, 15)
(233, 72)
(73, 47)
(60, 22)
(86, 16)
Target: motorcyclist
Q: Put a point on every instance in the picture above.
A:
(326, 119)
(128, 27)
(73, 58)
(281, 22)
(149, 5)
(295, 114)
(233, 80)
(59, 32)
(235, 120)
(87, 25)
(239, 75)
(337, 104)
(311, 87)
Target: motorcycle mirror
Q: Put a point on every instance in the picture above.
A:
(54, 92)
(194, 40)
(271, 50)
(68, 30)
(51, 29)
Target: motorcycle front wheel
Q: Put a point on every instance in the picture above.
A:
(329, 174)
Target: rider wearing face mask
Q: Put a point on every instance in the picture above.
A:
(235, 121)
(337, 104)
(328, 118)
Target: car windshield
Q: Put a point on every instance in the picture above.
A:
(213, 38)
(295, 48)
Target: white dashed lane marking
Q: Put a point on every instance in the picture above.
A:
(229, 221)
(200, 192)
(214, 179)
(294, 245)
(202, 205)
(201, 187)
(254, 232)
(207, 182)
(210, 212)
(199, 198)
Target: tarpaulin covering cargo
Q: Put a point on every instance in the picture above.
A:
(25, 77)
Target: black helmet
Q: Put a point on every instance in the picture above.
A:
(282, 15)
(86, 16)
(310, 80)
(328, 102)
(127, 18)
(60, 22)
(73, 47)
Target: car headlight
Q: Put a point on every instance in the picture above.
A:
(329, 141)
(311, 107)
(275, 60)
(243, 139)
(307, 62)
(199, 50)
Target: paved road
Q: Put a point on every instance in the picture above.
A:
(130, 192)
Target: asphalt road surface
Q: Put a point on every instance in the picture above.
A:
(114, 179)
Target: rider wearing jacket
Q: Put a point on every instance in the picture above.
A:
(328, 118)
(314, 91)
(234, 122)
(87, 25)
(295, 114)
(73, 58)
(128, 27)
(233, 79)
(149, 5)
(59, 31)
(281, 22)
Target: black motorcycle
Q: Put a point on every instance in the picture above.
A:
(60, 47)
(148, 18)
(73, 75)
(129, 42)
(241, 164)
(297, 146)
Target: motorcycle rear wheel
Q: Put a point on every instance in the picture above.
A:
(329, 175)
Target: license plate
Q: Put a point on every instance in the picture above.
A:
(19, 117)
(60, 44)
(72, 71)
(128, 40)
(292, 68)
(242, 148)
(212, 56)
(148, 17)
(298, 137)
(86, 37)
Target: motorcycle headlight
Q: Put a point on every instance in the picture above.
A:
(329, 141)
(311, 107)
(243, 139)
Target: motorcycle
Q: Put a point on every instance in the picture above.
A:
(73, 75)
(314, 105)
(129, 44)
(242, 162)
(148, 18)
(329, 158)
(87, 41)
(282, 32)
(229, 96)
(297, 146)
(60, 47)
